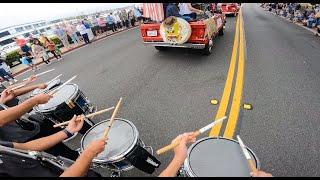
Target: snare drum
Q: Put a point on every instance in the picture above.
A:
(124, 149)
(51, 85)
(217, 157)
(69, 100)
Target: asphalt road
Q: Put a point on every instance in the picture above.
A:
(167, 93)
(282, 82)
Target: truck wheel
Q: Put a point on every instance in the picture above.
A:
(221, 32)
(160, 48)
(208, 48)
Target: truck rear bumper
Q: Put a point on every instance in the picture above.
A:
(185, 45)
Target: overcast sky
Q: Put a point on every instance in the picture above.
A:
(19, 13)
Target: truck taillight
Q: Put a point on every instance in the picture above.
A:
(201, 33)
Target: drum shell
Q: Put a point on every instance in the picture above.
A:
(65, 111)
(186, 169)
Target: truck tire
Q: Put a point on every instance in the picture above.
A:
(208, 48)
(221, 33)
(160, 48)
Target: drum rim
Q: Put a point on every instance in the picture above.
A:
(122, 155)
(187, 166)
(36, 108)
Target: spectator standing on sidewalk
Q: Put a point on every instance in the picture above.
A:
(138, 14)
(39, 51)
(124, 17)
(26, 60)
(83, 31)
(22, 43)
(117, 19)
(5, 75)
(111, 23)
(62, 35)
(88, 26)
(51, 47)
(72, 32)
(95, 26)
(131, 18)
(102, 24)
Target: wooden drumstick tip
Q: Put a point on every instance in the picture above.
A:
(105, 134)
(252, 166)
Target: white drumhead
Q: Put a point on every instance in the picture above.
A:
(122, 137)
(217, 157)
(64, 94)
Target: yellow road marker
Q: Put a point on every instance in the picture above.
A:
(227, 88)
(247, 106)
(214, 101)
(235, 107)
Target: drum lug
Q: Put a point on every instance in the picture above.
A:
(79, 151)
(70, 104)
(150, 149)
(115, 174)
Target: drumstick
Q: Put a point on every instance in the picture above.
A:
(87, 116)
(19, 86)
(247, 155)
(54, 79)
(105, 134)
(56, 90)
(195, 134)
(45, 72)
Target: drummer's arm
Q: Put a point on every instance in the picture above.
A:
(173, 168)
(180, 154)
(26, 89)
(82, 164)
(13, 113)
(42, 144)
(47, 142)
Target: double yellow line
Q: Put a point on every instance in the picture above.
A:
(236, 100)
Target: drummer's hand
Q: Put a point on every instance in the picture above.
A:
(75, 124)
(6, 96)
(180, 152)
(42, 86)
(260, 174)
(95, 147)
(31, 79)
(42, 98)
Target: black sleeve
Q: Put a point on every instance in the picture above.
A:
(6, 144)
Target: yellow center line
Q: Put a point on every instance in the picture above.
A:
(235, 107)
(227, 88)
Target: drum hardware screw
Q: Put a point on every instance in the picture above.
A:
(115, 174)
(150, 148)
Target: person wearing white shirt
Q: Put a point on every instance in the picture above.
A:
(187, 10)
(83, 31)
(117, 20)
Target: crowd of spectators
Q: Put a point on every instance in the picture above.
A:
(70, 34)
(307, 14)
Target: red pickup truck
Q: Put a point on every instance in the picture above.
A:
(202, 33)
(230, 8)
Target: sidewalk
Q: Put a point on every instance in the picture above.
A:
(314, 30)
(23, 68)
